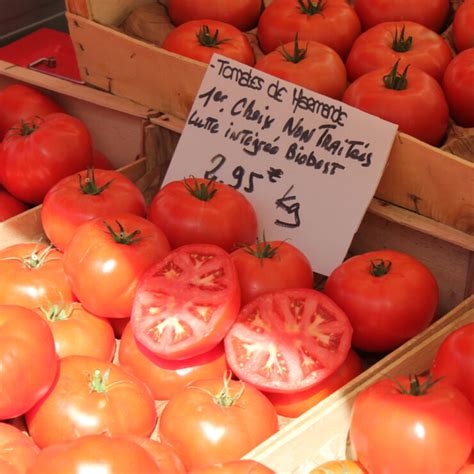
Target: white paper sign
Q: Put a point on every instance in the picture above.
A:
(309, 164)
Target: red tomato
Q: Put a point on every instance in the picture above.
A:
(243, 466)
(411, 43)
(164, 377)
(209, 422)
(455, 360)
(91, 396)
(467, 469)
(457, 85)
(331, 22)
(10, 206)
(32, 275)
(28, 361)
(413, 100)
(430, 13)
(95, 454)
(82, 197)
(293, 405)
(314, 66)
(200, 39)
(201, 211)
(78, 332)
(411, 427)
(242, 14)
(37, 153)
(288, 340)
(17, 451)
(269, 266)
(388, 296)
(19, 101)
(186, 303)
(100, 161)
(106, 258)
(463, 26)
(339, 467)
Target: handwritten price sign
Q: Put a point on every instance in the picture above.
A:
(310, 165)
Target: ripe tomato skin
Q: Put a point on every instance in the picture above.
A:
(336, 25)
(374, 49)
(288, 340)
(32, 275)
(243, 466)
(339, 467)
(293, 405)
(32, 164)
(394, 432)
(19, 101)
(243, 14)
(78, 332)
(104, 273)
(27, 348)
(184, 40)
(321, 70)
(467, 469)
(420, 110)
(457, 86)
(227, 219)
(430, 13)
(454, 360)
(383, 310)
(165, 378)
(191, 419)
(17, 450)
(85, 400)
(186, 303)
(10, 206)
(288, 267)
(463, 32)
(111, 455)
(72, 202)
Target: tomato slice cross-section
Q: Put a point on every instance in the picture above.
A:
(186, 303)
(288, 340)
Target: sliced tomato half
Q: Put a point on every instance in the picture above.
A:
(185, 304)
(288, 340)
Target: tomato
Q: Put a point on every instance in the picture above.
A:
(339, 467)
(17, 451)
(269, 266)
(201, 211)
(37, 153)
(242, 14)
(411, 425)
(454, 360)
(164, 377)
(463, 31)
(331, 22)
(412, 99)
(288, 340)
(430, 13)
(388, 296)
(78, 332)
(467, 469)
(91, 396)
(85, 196)
(100, 161)
(314, 66)
(186, 303)
(243, 466)
(10, 206)
(95, 454)
(19, 101)
(293, 405)
(212, 422)
(106, 257)
(411, 43)
(200, 39)
(457, 86)
(119, 325)
(28, 361)
(32, 275)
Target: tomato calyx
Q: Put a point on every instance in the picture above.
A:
(311, 8)
(207, 40)
(26, 128)
(298, 53)
(224, 398)
(262, 249)
(89, 186)
(35, 260)
(121, 237)
(201, 191)
(417, 388)
(380, 267)
(56, 312)
(400, 43)
(395, 80)
(98, 381)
